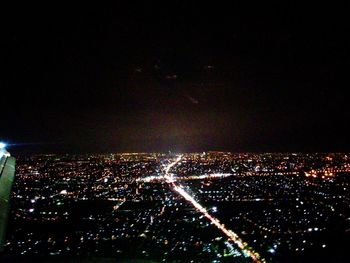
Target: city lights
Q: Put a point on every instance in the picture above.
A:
(198, 207)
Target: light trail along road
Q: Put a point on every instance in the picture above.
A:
(229, 233)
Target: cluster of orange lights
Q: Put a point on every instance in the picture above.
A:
(321, 173)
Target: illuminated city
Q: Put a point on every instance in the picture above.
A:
(200, 207)
(175, 131)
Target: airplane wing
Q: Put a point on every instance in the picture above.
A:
(7, 174)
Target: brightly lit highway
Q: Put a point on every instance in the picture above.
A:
(171, 180)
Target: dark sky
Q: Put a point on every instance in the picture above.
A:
(177, 76)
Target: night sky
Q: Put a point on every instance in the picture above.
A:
(176, 76)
